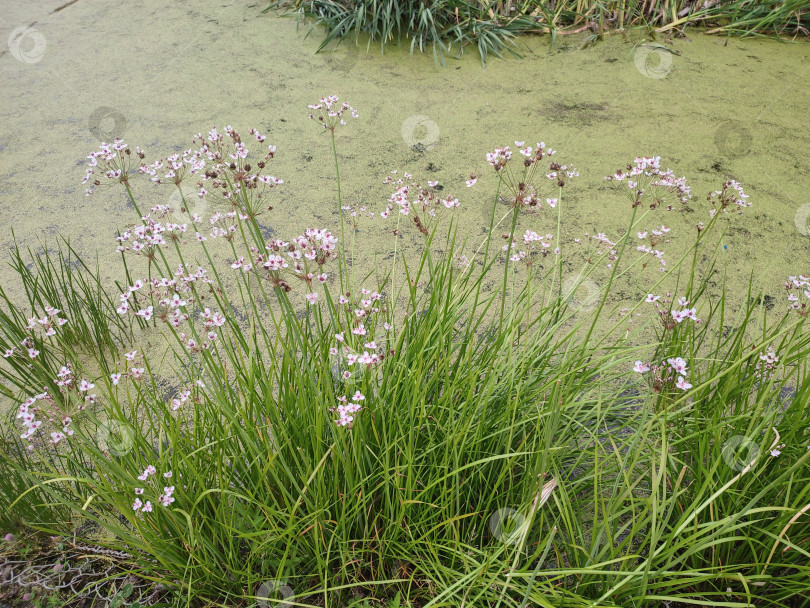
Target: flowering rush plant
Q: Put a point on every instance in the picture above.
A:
(279, 403)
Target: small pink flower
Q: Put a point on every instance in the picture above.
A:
(312, 297)
(678, 364)
(640, 367)
(683, 384)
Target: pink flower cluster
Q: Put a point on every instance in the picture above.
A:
(146, 238)
(603, 246)
(534, 245)
(730, 194)
(28, 413)
(113, 161)
(413, 199)
(354, 344)
(165, 498)
(347, 408)
(45, 326)
(136, 373)
(653, 237)
(174, 297)
(670, 317)
(524, 182)
(356, 211)
(767, 363)
(304, 256)
(230, 175)
(176, 167)
(799, 302)
(224, 225)
(665, 373)
(329, 113)
(647, 182)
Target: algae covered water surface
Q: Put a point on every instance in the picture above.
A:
(79, 72)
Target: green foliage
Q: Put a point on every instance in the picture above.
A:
(490, 27)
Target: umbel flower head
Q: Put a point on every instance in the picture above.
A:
(525, 181)
(111, 163)
(329, 113)
(647, 182)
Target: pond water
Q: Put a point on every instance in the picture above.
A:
(160, 72)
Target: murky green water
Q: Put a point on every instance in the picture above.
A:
(160, 72)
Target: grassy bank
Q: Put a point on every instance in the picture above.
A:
(250, 421)
(450, 26)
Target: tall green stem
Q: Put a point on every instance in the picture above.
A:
(342, 254)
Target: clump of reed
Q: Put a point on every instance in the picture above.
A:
(451, 26)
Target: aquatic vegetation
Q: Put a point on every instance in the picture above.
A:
(491, 27)
(277, 420)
